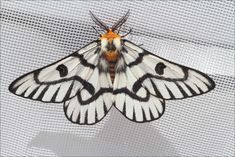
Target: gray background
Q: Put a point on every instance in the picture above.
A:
(199, 34)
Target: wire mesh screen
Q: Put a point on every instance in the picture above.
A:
(198, 34)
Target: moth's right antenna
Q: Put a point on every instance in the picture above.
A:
(121, 21)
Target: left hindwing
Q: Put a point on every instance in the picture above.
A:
(162, 78)
(87, 108)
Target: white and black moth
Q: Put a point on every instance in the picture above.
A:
(112, 71)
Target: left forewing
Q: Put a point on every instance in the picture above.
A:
(61, 80)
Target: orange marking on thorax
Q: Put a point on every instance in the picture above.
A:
(111, 56)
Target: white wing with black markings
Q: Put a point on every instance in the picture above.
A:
(162, 78)
(139, 105)
(61, 80)
(90, 108)
(79, 80)
(143, 81)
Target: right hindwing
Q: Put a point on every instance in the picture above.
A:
(139, 105)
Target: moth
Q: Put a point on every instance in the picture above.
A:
(112, 71)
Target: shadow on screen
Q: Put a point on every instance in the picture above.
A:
(119, 137)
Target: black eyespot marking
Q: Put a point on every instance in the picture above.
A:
(63, 70)
(160, 68)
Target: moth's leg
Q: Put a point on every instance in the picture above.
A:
(130, 31)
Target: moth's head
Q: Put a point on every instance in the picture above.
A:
(110, 35)
(110, 40)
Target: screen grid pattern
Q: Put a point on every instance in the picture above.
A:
(198, 34)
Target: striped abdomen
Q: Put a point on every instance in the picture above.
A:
(111, 57)
(112, 69)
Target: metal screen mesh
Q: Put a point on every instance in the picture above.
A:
(198, 34)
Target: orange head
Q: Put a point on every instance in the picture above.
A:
(110, 35)
(110, 41)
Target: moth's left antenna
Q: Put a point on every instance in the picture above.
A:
(98, 21)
